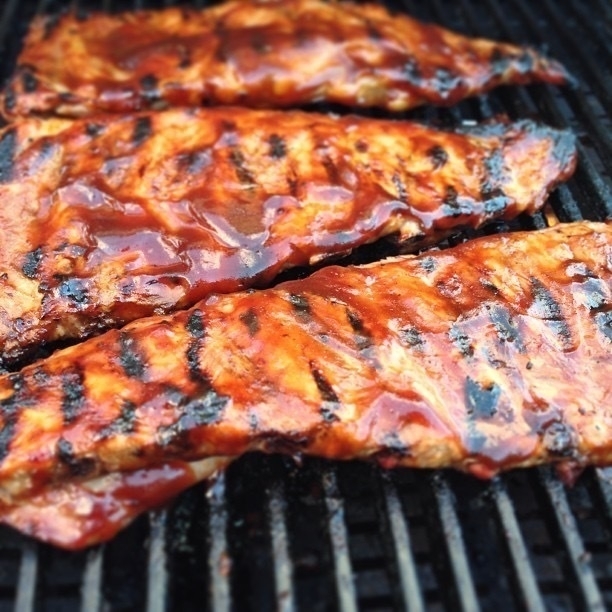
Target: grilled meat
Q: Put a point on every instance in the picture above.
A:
(108, 220)
(491, 355)
(274, 53)
(79, 514)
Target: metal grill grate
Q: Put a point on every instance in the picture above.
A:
(325, 536)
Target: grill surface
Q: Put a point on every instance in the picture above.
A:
(324, 536)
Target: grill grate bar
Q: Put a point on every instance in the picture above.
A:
(28, 572)
(604, 483)
(579, 557)
(157, 577)
(578, 47)
(411, 590)
(285, 597)
(451, 527)
(523, 569)
(218, 558)
(91, 588)
(347, 600)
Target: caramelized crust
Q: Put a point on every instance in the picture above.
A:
(491, 355)
(276, 53)
(108, 220)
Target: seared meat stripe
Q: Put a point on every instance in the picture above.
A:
(108, 220)
(273, 53)
(491, 355)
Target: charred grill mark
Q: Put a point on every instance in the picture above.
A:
(400, 186)
(412, 337)
(439, 157)
(450, 198)
(504, 326)
(481, 400)
(93, 130)
(278, 146)
(76, 467)
(428, 264)
(499, 62)
(130, 359)
(194, 162)
(412, 72)
(195, 324)
(332, 170)
(10, 412)
(544, 306)
(330, 401)
(242, 172)
(493, 178)
(196, 329)
(73, 395)
(603, 320)
(300, 304)
(32, 263)
(362, 337)
(461, 340)
(28, 80)
(559, 439)
(250, 319)
(445, 81)
(194, 412)
(143, 129)
(74, 290)
(593, 294)
(123, 424)
(149, 87)
(496, 201)
(8, 143)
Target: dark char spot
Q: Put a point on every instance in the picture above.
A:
(278, 148)
(8, 144)
(74, 290)
(461, 340)
(402, 192)
(559, 439)
(28, 80)
(130, 359)
(123, 424)
(195, 324)
(438, 156)
(73, 395)
(242, 172)
(300, 303)
(148, 84)
(603, 320)
(32, 262)
(412, 337)
(94, 129)
(76, 467)
(481, 401)
(545, 306)
(143, 129)
(250, 319)
(428, 263)
(362, 337)
(330, 401)
(196, 412)
(412, 72)
(502, 321)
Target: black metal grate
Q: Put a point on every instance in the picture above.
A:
(273, 536)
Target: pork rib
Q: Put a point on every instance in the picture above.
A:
(491, 355)
(273, 53)
(108, 220)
